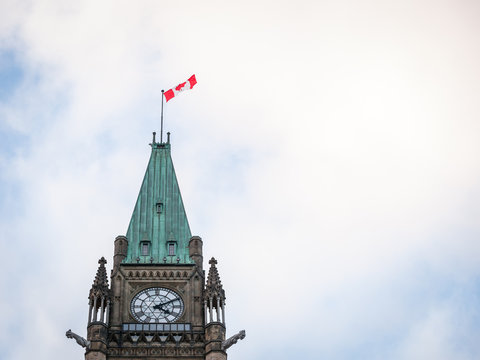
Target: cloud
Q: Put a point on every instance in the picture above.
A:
(327, 157)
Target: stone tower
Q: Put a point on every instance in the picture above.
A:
(159, 304)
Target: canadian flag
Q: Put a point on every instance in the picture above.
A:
(187, 85)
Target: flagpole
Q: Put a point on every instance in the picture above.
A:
(161, 122)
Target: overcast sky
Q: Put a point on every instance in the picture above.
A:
(328, 157)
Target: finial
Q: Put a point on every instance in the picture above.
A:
(168, 137)
(102, 261)
(212, 261)
(153, 141)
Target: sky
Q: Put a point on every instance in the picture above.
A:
(328, 157)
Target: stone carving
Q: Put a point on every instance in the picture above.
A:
(233, 340)
(80, 340)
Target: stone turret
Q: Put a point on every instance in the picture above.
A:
(99, 307)
(214, 302)
(120, 251)
(195, 250)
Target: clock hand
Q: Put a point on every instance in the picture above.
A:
(168, 302)
(160, 307)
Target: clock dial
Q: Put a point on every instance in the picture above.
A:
(156, 305)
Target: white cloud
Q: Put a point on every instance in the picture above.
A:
(327, 157)
(444, 333)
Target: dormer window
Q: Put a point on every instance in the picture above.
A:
(159, 208)
(145, 248)
(171, 248)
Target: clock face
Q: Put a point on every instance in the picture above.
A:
(156, 305)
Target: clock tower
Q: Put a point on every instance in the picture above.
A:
(158, 303)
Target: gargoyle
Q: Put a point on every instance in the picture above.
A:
(80, 340)
(233, 340)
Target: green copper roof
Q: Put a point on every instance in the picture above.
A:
(159, 225)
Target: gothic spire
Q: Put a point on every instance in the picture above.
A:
(100, 284)
(99, 297)
(158, 231)
(214, 286)
(214, 296)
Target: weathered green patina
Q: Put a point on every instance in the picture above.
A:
(159, 226)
